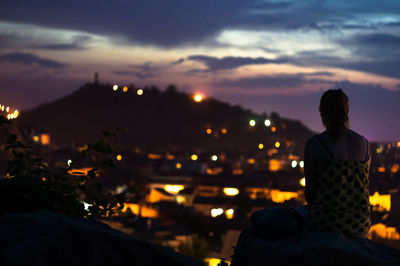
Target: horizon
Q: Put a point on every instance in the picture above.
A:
(263, 55)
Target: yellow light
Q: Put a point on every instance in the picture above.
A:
(273, 129)
(125, 89)
(16, 113)
(44, 179)
(8, 116)
(277, 144)
(36, 138)
(229, 213)
(261, 146)
(215, 262)
(7, 109)
(115, 87)
(119, 157)
(194, 157)
(214, 157)
(178, 166)
(303, 182)
(198, 97)
(301, 164)
(2, 108)
(398, 144)
(208, 131)
(180, 199)
(139, 92)
(224, 131)
(231, 191)
(69, 162)
(252, 123)
(267, 122)
(216, 212)
(294, 164)
(173, 189)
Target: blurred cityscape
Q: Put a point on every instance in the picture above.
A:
(193, 168)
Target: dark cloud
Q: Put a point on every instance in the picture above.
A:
(176, 22)
(141, 71)
(20, 41)
(231, 62)
(30, 59)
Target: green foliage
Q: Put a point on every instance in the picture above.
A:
(31, 185)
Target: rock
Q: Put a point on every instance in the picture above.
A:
(44, 238)
(312, 248)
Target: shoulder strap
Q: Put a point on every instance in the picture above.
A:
(367, 155)
(326, 148)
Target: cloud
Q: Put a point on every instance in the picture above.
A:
(231, 62)
(30, 59)
(179, 22)
(79, 43)
(141, 71)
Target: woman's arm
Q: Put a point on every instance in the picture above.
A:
(310, 173)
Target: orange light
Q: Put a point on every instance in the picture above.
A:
(237, 172)
(251, 161)
(209, 131)
(275, 165)
(178, 166)
(229, 213)
(119, 157)
(125, 89)
(45, 139)
(154, 156)
(381, 169)
(224, 131)
(36, 138)
(395, 168)
(198, 97)
(273, 129)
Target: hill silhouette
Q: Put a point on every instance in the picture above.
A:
(157, 120)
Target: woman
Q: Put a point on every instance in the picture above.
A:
(336, 164)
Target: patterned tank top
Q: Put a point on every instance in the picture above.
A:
(342, 196)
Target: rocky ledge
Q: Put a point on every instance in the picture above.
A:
(44, 238)
(311, 248)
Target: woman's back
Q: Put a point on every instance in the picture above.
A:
(338, 172)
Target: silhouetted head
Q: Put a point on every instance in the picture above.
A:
(334, 109)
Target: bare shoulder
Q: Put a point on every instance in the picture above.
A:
(355, 137)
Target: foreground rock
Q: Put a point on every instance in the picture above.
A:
(44, 238)
(312, 248)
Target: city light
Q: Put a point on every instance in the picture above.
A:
(216, 212)
(267, 122)
(173, 189)
(115, 87)
(301, 164)
(273, 129)
(178, 166)
(224, 131)
(16, 113)
(125, 89)
(7, 109)
(231, 191)
(35, 138)
(209, 131)
(119, 157)
(303, 182)
(139, 92)
(229, 213)
(261, 146)
(252, 123)
(294, 164)
(277, 144)
(69, 162)
(45, 139)
(198, 97)
(214, 157)
(194, 157)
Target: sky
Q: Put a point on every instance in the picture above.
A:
(266, 55)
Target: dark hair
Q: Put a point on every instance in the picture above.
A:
(334, 109)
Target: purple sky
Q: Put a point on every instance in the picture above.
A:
(265, 55)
